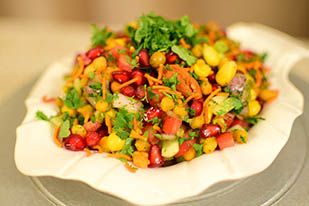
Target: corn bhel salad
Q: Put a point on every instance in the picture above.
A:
(160, 92)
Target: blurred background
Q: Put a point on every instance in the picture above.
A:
(291, 16)
(35, 33)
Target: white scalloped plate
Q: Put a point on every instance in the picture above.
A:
(37, 155)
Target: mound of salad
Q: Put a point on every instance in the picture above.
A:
(160, 92)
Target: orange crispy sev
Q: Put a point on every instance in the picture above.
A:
(126, 83)
(160, 72)
(136, 135)
(55, 137)
(150, 78)
(88, 152)
(118, 155)
(130, 168)
(108, 123)
(48, 99)
(205, 104)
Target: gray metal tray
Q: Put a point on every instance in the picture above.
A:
(285, 182)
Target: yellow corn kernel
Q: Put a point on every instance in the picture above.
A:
(99, 63)
(140, 159)
(114, 86)
(86, 110)
(103, 144)
(253, 94)
(226, 73)
(70, 111)
(197, 51)
(219, 120)
(142, 145)
(206, 87)
(102, 106)
(89, 69)
(114, 142)
(201, 68)
(210, 144)
(211, 56)
(79, 129)
(197, 122)
(111, 113)
(120, 41)
(254, 108)
(268, 95)
(240, 136)
(180, 111)
(190, 154)
(167, 104)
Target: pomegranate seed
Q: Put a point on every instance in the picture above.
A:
(143, 58)
(155, 157)
(94, 53)
(128, 91)
(74, 142)
(197, 106)
(152, 112)
(92, 139)
(212, 78)
(92, 127)
(171, 58)
(140, 77)
(121, 76)
(209, 130)
(140, 92)
(215, 87)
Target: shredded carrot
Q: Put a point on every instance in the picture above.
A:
(88, 152)
(126, 83)
(99, 148)
(134, 134)
(166, 89)
(212, 94)
(55, 137)
(160, 72)
(148, 77)
(130, 168)
(48, 99)
(258, 78)
(192, 96)
(118, 155)
(184, 43)
(108, 123)
(135, 124)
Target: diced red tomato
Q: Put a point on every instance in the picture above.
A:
(115, 51)
(92, 127)
(121, 76)
(171, 125)
(155, 157)
(93, 139)
(184, 147)
(150, 131)
(225, 140)
(154, 97)
(229, 118)
(124, 62)
(241, 123)
(74, 142)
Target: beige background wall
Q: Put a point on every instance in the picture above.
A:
(291, 16)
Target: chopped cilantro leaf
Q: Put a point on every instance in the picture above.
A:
(184, 54)
(242, 139)
(41, 116)
(72, 99)
(199, 149)
(191, 112)
(159, 136)
(192, 134)
(122, 124)
(128, 147)
(254, 120)
(99, 36)
(171, 82)
(263, 56)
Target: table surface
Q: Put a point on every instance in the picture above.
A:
(26, 48)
